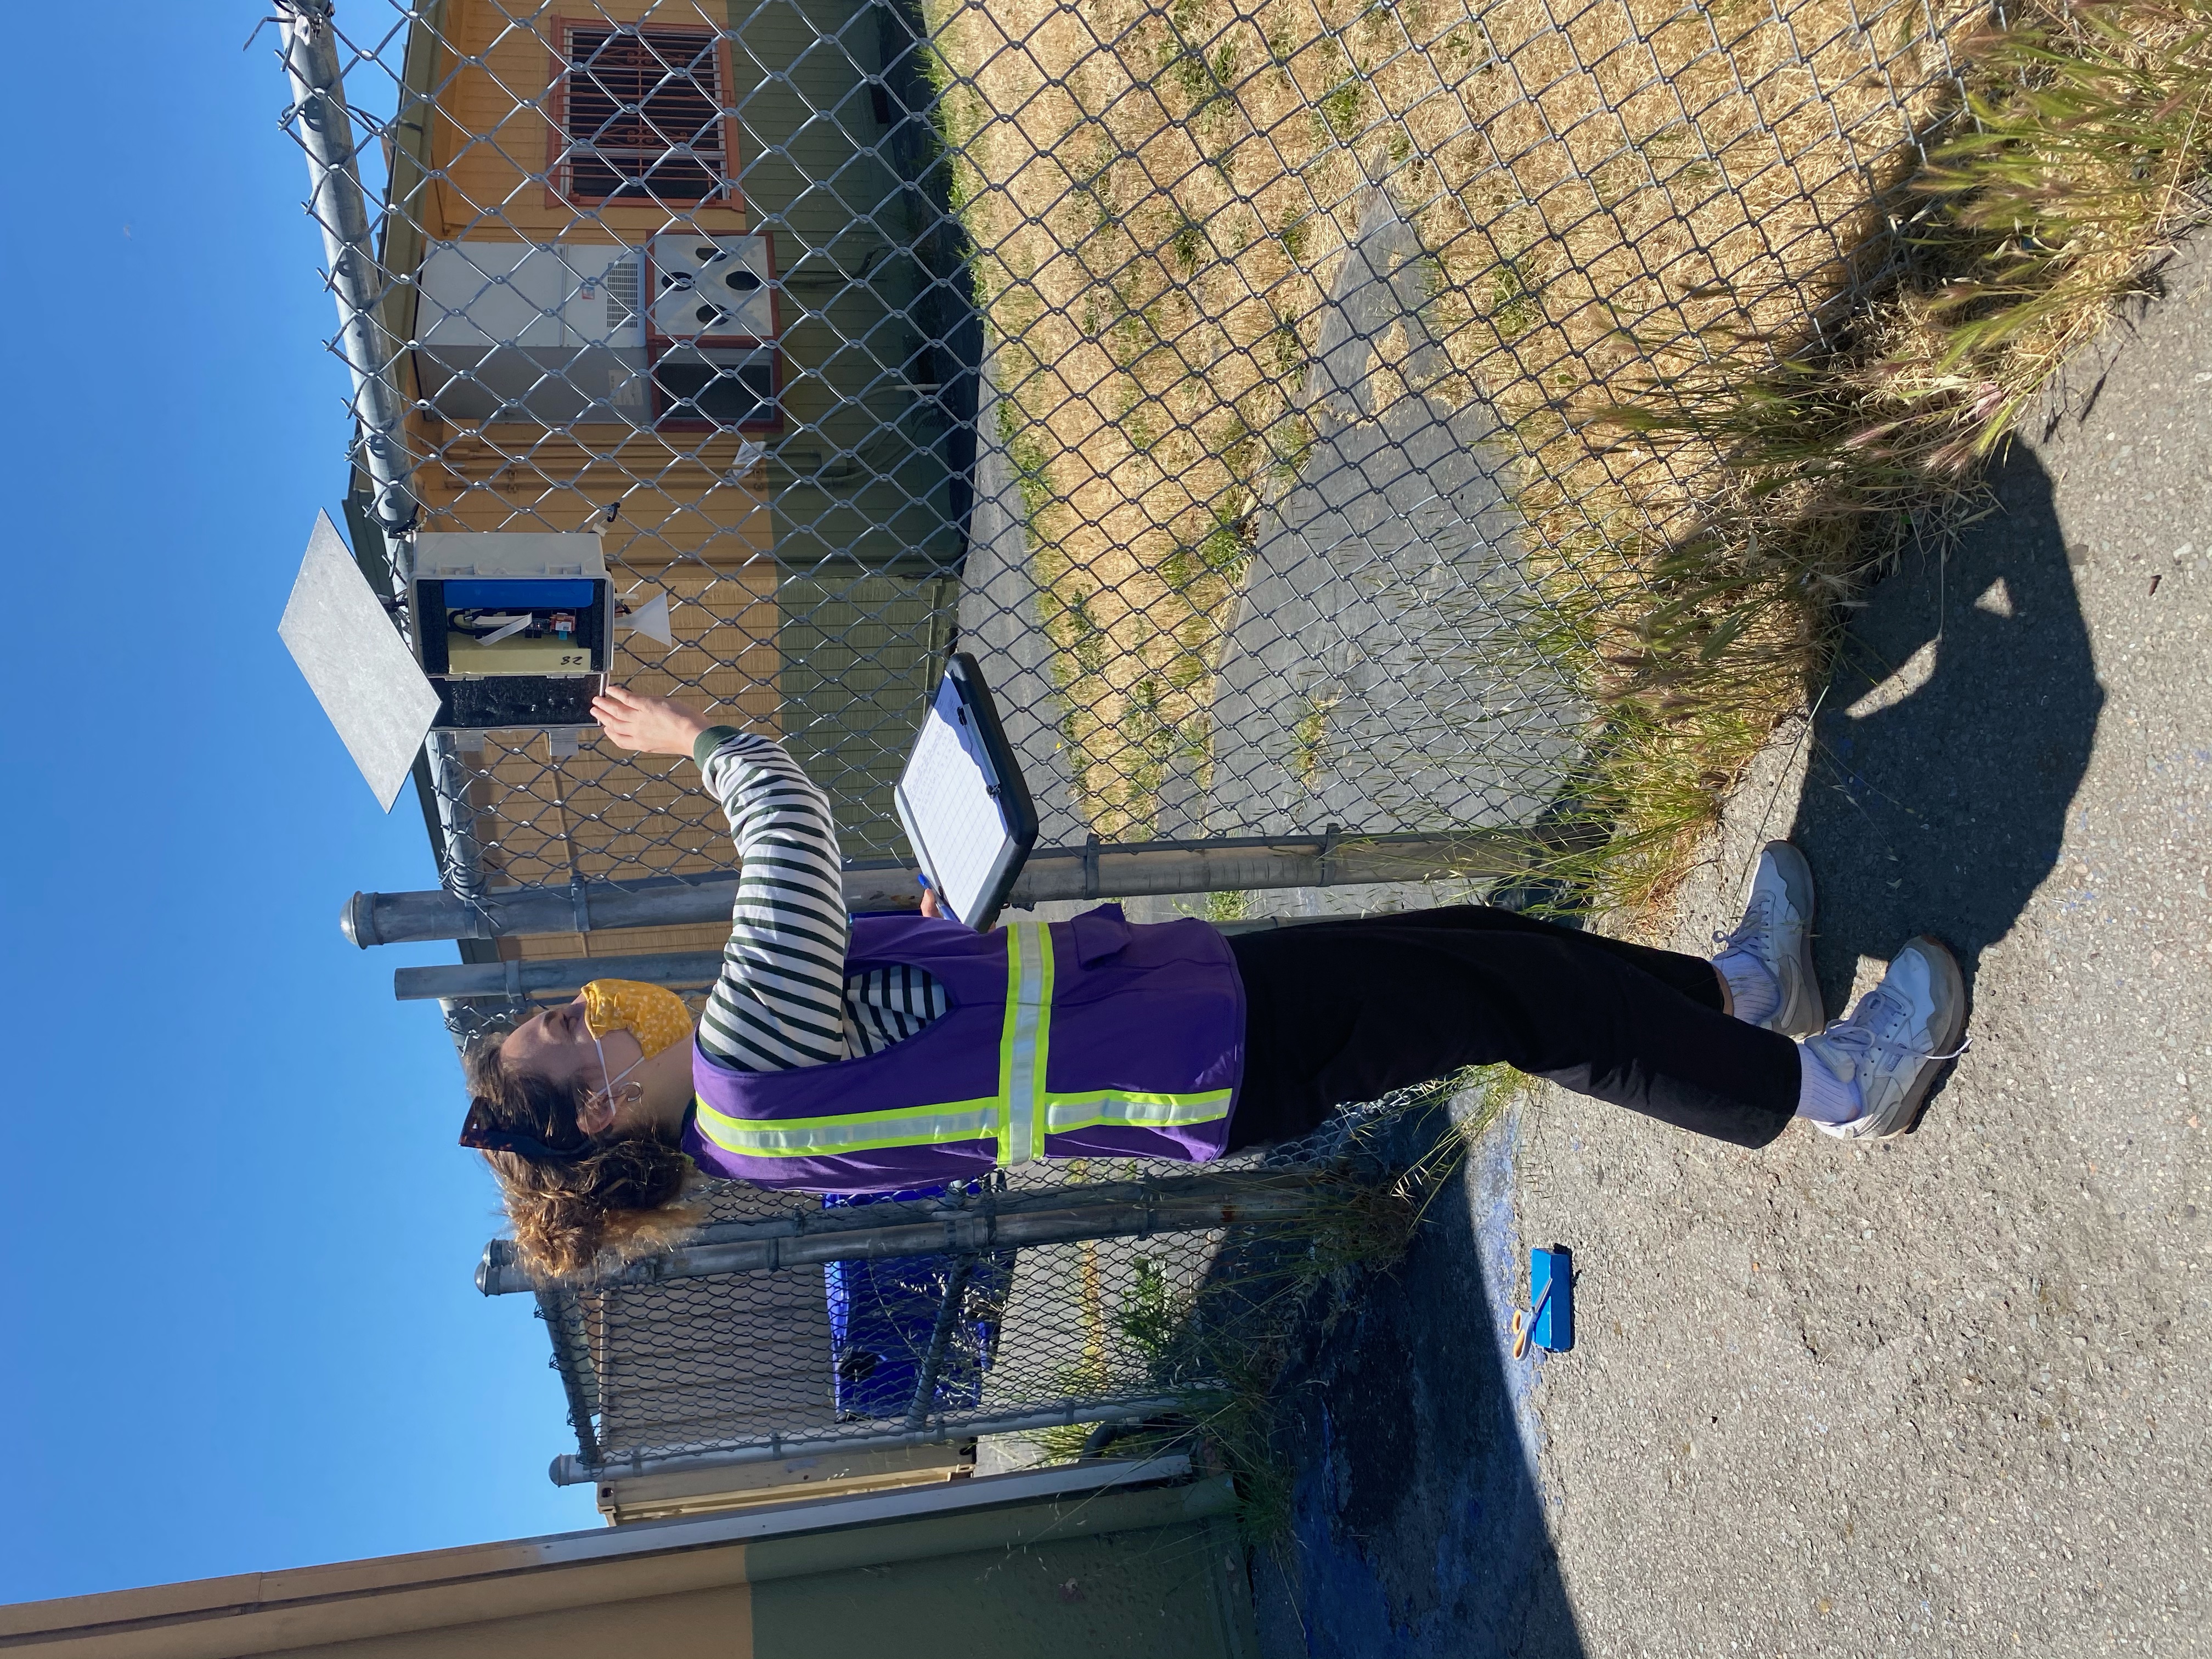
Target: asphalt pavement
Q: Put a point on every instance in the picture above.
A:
(1379, 670)
(1943, 1395)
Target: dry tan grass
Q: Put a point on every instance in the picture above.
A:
(2084, 153)
(1161, 199)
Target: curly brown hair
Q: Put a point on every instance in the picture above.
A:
(620, 1194)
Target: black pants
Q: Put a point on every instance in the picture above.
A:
(1338, 1012)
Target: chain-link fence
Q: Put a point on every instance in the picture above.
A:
(1021, 1308)
(1216, 372)
(786, 1332)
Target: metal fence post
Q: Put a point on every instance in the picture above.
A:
(876, 1232)
(571, 1470)
(336, 204)
(358, 282)
(1225, 864)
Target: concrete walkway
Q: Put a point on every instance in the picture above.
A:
(1946, 1395)
(1379, 672)
(1382, 671)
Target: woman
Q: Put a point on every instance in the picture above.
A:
(896, 1052)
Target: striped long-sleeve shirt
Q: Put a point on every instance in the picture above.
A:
(784, 998)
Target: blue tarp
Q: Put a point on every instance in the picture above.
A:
(883, 1314)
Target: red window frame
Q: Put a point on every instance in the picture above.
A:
(559, 165)
(665, 421)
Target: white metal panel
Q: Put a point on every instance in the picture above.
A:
(718, 287)
(486, 294)
(441, 553)
(359, 668)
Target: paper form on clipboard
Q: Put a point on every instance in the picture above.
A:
(962, 800)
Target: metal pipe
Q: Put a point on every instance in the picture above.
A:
(570, 1470)
(876, 1232)
(940, 1338)
(358, 282)
(336, 204)
(515, 978)
(461, 865)
(522, 979)
(1058, 873)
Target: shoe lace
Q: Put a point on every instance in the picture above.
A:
(1870, 1029)
(1756, 919)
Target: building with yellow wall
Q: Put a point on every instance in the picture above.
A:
(681, 273)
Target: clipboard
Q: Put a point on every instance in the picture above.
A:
(962, 800)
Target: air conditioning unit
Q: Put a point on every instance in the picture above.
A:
(548, 334)
(713, 288)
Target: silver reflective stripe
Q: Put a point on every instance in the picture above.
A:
(1021, 1053)
(1135, 1110)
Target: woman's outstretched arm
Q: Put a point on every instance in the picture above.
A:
(780, 1001)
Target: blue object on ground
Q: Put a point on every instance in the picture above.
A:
(882, 1317)
(1553, 1271)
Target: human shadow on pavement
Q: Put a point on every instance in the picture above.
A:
(1418, 1530)
(1951, 741)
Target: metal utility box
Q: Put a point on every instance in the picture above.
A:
(711, 324)
(553, 334)
(514, 629)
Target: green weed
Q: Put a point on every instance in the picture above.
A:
(1514, 308)
(1230, 907)
(1344, 109)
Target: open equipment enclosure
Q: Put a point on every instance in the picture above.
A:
(514, 629)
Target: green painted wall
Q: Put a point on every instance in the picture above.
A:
(868, 500)
(1149, 1595)
(1148, 1574)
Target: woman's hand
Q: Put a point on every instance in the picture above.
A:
(929, 907)
(651, 726)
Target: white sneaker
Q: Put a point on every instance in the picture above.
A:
(1896, 1039)
(1777, 933)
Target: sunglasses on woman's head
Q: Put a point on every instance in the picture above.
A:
(481, 1133)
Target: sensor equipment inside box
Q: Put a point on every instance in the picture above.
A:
(512, 629)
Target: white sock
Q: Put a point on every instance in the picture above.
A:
(1753, 993)
(1821, 1095)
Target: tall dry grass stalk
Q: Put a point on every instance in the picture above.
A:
(2080, 152)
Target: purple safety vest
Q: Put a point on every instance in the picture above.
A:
(1088, 1038)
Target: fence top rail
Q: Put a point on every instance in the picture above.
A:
(1100, 871)
(950, 1223)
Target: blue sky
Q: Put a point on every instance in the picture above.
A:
(238, 1330)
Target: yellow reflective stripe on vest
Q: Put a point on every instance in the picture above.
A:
(857, 1132)
(1025, 1041)
(1125, 1107)
(1015, 1118)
